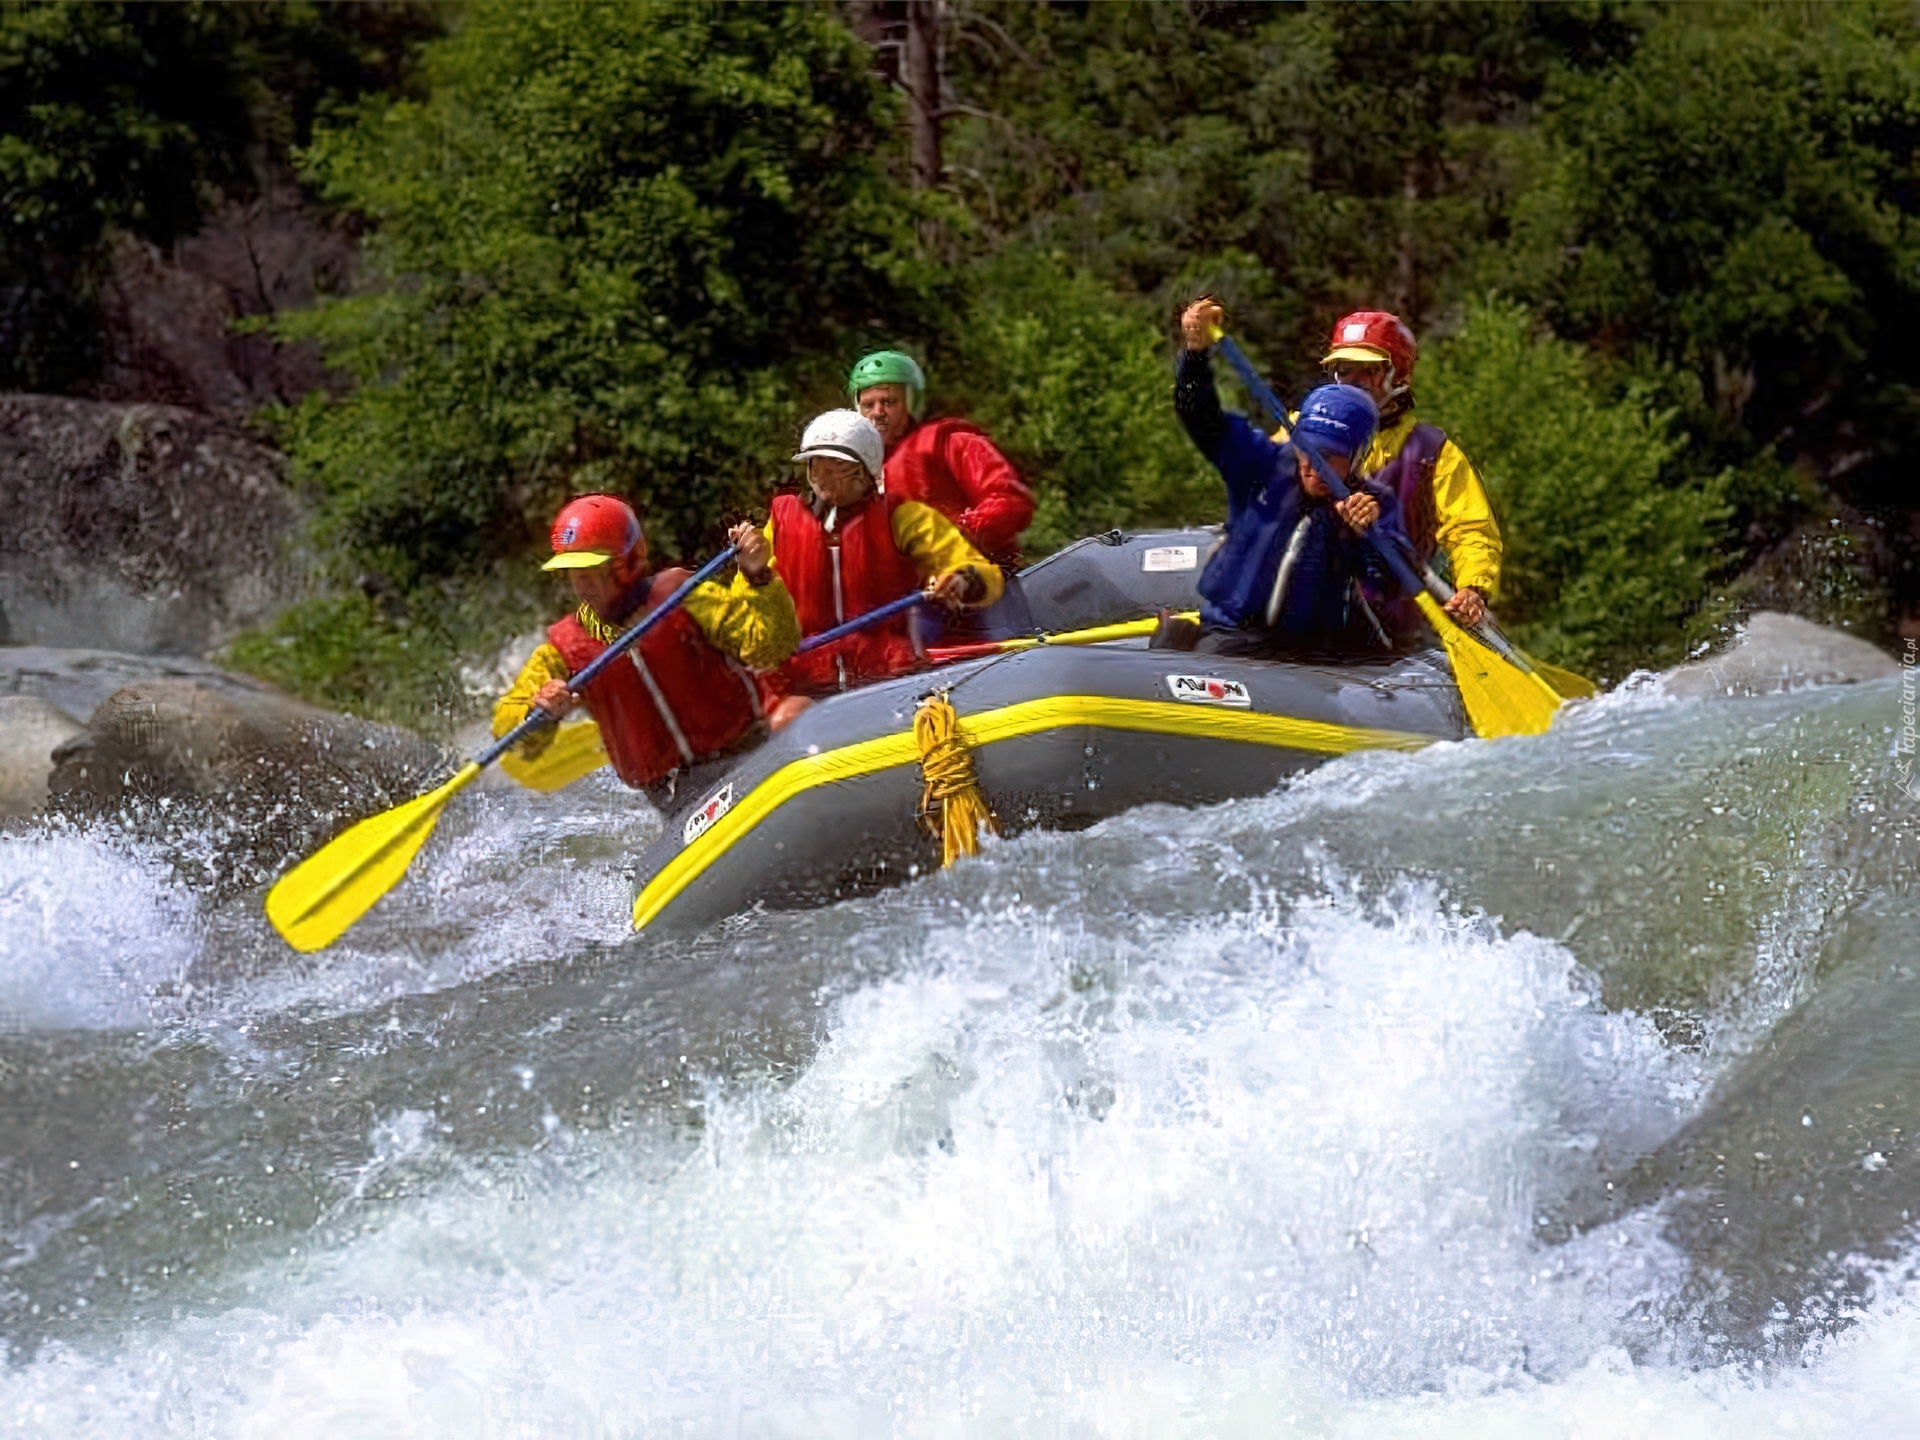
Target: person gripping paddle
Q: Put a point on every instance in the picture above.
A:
(1503, 690)
(1286, 580)
(315, 902)
(847, 548)
(690, 693)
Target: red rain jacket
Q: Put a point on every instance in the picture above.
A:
(953, 466)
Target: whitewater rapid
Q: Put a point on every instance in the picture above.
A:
(1384, 1105)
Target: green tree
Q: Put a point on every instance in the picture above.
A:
(1611, 547)
(1737, 204)
(616, 247)
(1075, 382)
(131, 117)
(1297, 161)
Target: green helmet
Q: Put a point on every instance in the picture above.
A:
(888, 367)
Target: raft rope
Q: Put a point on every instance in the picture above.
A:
(951, 805)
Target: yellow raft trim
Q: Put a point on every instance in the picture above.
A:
(886, 752)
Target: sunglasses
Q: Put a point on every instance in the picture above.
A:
(1341, 369)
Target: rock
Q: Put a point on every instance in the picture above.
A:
(31, 729)
(79, 681)
(169, 317)
(253, 778)
(489, 682)
(1775, 653)
(138, 528)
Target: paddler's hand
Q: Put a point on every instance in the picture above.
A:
(554, 698)
(1359, 510)
(954, 589)
(1200, 321)
(752, 553)
(1468, 605)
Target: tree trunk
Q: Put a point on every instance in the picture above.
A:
(1407, 272)
(923, 89)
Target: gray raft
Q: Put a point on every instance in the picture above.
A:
(1060, 737)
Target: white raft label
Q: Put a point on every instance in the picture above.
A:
(717, 805)
(1164, 558)
(1204, 690)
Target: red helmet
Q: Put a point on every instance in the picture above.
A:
(1375, 335)
(591, 530)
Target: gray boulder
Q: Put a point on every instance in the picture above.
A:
(244, 780)
(1775, 653)
(79, 681)
(31, 729)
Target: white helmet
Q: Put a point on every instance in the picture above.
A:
(845, 435)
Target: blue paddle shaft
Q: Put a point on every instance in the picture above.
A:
(1270, 402)
(538, 717)
(860, 622)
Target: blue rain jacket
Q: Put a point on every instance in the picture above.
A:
(1264, 504)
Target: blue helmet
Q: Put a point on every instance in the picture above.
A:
(1340, 418)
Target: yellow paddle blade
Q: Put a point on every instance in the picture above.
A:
(1501, 698)
(1570, 685)
(313, 903)
(575, 750)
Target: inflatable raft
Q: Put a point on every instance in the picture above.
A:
(1059, 737)
(1111, 578)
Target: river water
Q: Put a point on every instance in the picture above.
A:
(1560, 1086)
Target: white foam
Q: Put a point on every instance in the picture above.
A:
(1239, 1164)
(508, 877)
(97, 930)
(1226, 1171)
(91, 935)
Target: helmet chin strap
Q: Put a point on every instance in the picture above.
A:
(1396, 396)
(1397, 401)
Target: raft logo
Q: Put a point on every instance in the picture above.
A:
(1164, 558)
(1205, 690)
(702, 819)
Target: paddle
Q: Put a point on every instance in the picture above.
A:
(1121, 630)
(577, 751)
(1568, 685)
(861, 622)
(313, 903)
(1501, 697)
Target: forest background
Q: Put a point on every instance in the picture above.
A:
(1661, 261)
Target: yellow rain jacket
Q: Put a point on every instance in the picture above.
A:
(1466, 529)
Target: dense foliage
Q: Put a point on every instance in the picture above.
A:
(632, 246)
(1739, 203)
(1608, 552)
(132, 117)
(614, 249)
(1072, 380)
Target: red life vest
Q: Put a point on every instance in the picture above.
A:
(671, 700)
(834, 583)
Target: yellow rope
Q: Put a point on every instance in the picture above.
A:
(951, 804)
